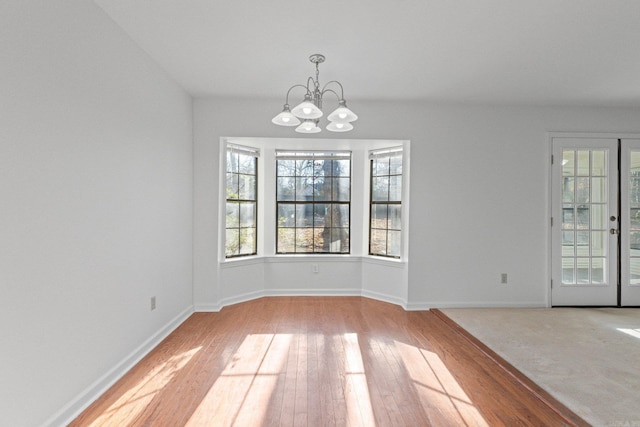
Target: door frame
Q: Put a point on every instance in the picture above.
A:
(566, 134)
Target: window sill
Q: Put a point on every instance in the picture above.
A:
(315, 258)
(389, 262)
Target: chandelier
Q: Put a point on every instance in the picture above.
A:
(306, 115)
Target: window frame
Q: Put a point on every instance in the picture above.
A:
(255, 153)
(312, 155)
(386, 153)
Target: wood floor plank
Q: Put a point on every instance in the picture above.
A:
(318, 361)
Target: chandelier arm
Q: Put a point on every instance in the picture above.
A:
(314, 84)
(339, 84)
(332, 91)
(298, 85)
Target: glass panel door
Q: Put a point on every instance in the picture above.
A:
(584, 247)
(630, 223)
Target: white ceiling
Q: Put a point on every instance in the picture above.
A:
(540, 52)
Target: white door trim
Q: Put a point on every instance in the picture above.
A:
(566, 134)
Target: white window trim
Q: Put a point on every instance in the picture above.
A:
(360, 181)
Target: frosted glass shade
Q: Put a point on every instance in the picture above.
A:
(339, 126)
(342, 114)
(308, 126)
(285, 118)
(307, 110)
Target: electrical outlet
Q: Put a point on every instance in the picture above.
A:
(314, 268)
(153, 303)
(503, 278)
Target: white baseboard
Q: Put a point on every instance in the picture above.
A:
(236, 299)
(207, 308)
(72, 409)
(418, 306)
(313, 292)
(384, 298)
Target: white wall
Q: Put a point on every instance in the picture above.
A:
(95, 206)
(479, 193)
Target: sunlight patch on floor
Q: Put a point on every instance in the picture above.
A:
(125, 410)
(437, 389)
(633, 332)
(243, 390)
(359, 409)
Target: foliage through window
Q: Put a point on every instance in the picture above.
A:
(241, 213)
(385, 219)
(313, 198)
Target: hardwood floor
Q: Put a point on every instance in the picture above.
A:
(323, 361)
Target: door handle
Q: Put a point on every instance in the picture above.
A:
(614, 231)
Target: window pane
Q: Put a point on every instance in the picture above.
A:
(634, 240)
(598, 240)
(304, 189)
(598, 190)
(568, 243)
(582, 190)
(322, 189)
(582, 243)
(635, 219)
(568, 190)
(395, 218)
(339, 215)
(634, 190)
(304, 167)
(380, 189)
(232, 241)
(304, 240)
(568, 162)
(232, 186)
(319, 235)
(232, 162)
(285, 188)
(598, 217)
(583, 163)
(247, 164)
(635, 271)
(286, 240)
(342, 168)
(247, 214)
(582, 271)
(321, 215)
(247, 187)
(395, 188)
(393, 245)
(597, 270)
(286, 167)
(379, 216)
(341, 189)
(340, 240)
(378, 242)
(598, 167)
(304, 215)
(286, 215)
(395, 165)
(582, 218)
(568, 271)
(381, 166)
(247, 241)
(233, 215)
(568, 218)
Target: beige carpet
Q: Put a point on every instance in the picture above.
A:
(587, 358)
